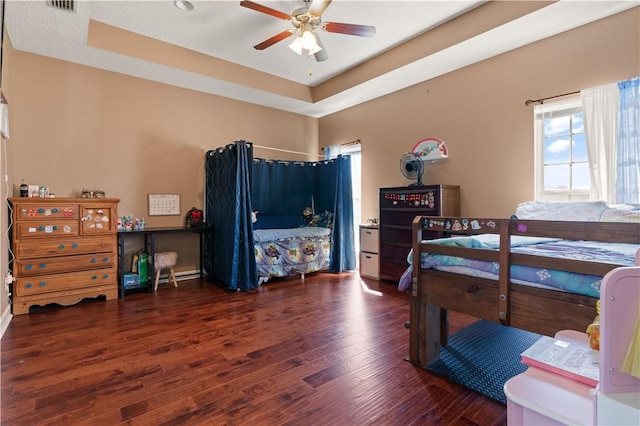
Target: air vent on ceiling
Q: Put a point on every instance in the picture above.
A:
(65, 5)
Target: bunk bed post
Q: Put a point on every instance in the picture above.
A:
(504, 277)
(415, 304)
(428, 323)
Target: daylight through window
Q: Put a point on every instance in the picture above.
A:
(562, 163)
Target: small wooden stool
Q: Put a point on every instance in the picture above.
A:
(165, 260)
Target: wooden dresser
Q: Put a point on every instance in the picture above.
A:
(64, 250)
(398, 207)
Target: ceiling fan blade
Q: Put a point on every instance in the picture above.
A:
(318, 6)
(265, 9)
(273, 40)
(350, 29)
(322, 55)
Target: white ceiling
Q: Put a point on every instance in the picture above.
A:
(225, 30)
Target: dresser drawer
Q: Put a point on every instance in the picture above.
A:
(369, 239)
(51, 283)
(64, 246)
(98, 219)
(46, 229)
(369, 265)
(53, 265)
(43, 211)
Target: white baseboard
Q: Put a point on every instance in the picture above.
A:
(180, 276)
(5, 320)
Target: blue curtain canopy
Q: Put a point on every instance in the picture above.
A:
(280, 191)
(228, 211)
(281, 187)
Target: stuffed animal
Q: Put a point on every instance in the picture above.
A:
(324, 220)
(307, 215)
(593, 330)
(193, 218)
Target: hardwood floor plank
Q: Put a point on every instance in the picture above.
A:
(329, 349)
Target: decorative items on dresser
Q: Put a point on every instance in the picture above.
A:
(64, 250)
(398, 207)
(369, 249)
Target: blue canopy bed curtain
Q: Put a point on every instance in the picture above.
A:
(236, 184)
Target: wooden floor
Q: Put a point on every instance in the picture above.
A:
(329, 349)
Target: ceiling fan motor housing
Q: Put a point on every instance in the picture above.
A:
(302, 18)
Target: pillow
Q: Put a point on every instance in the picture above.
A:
(574, 211)
(617, 215)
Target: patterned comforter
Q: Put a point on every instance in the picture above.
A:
(588, 285)
(293, 251)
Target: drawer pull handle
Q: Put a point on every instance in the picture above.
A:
(55, 227)
(28, 267)
(368, 257)
(29, 285)
(41, 228)
(74, 245)
(94, 260)
(105, 259)
(42, 283)
(61, 246)
(55, 210)
(473, 289)
(40, 210)
(105, 276)
(93, 277)
(43, 265)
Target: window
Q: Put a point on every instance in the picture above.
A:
(561, 160)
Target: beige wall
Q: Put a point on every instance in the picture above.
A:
(479, 112)
(5, 170)
(74, 126)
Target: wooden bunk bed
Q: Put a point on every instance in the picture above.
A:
(534, 308)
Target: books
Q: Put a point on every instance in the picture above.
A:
(568, 359)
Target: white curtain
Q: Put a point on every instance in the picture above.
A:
(628, 143)
(600, 108)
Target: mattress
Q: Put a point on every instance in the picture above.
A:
(583, 284)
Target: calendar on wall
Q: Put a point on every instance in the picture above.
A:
(164, 204)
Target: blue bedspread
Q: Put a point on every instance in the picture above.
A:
(588, 285)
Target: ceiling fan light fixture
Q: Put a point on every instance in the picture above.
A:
(305, 20)
(308, 40)
(296, 46)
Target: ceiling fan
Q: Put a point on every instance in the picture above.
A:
(305, 20)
